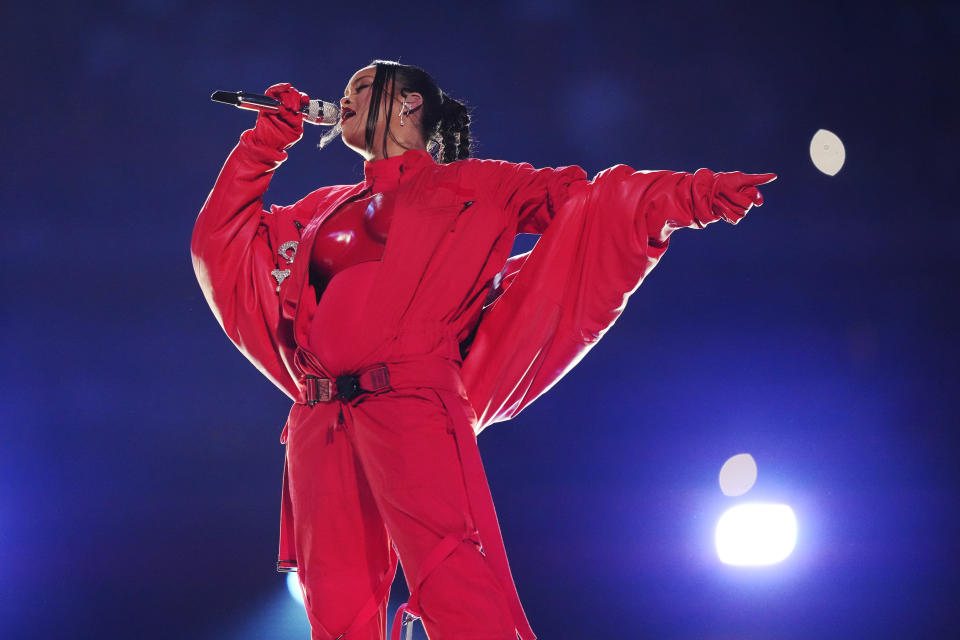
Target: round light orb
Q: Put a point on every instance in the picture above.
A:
(293, 586)
(738, 475)
(827, 152)
(756, 534)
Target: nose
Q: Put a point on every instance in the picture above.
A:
(344, 102)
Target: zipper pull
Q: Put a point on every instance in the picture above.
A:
(466, 205)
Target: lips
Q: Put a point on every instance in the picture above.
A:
(346, 113)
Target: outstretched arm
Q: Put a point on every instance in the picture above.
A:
(562, 297)
(531, 197)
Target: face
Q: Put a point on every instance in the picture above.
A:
(354, 109)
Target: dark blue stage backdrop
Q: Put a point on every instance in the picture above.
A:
(140, 460)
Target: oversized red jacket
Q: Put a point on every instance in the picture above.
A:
(523, 322)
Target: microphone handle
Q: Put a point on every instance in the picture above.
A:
(256, 101)
(316, 112)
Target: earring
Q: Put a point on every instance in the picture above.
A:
(403, 106)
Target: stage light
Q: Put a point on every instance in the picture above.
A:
(293, 586)
(738, 475)
(827, 152)
(756, 534)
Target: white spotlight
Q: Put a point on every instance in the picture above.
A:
(756, 534)
(293, 586)
(738, 475)
(827, 152)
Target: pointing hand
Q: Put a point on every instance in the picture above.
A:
(735, 192)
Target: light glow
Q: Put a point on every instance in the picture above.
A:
(293, 586)
(756, 534)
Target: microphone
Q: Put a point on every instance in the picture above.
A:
(317, 112)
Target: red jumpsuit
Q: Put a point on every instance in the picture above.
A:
(468, 335)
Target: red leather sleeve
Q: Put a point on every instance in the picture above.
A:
(234, 257)
(670, 200)
(565, 294)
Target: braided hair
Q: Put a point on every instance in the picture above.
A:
(453, 130)
(445, 122)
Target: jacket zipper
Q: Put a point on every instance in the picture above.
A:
(466, 205)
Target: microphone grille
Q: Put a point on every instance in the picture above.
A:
(331, 114)
(320, 112)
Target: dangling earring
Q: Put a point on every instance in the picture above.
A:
(403, 105)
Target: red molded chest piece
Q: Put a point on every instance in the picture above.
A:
(354, 234)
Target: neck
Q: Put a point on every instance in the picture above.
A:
(399, 140)
(393, 149)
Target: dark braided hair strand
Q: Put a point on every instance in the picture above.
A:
(453, 130)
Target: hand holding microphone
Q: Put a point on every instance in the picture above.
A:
(282, 112)
(283, 127)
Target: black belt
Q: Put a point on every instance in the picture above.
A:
(345, 387)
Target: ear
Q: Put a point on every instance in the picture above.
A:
(413, 99)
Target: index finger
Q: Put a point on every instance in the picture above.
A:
(760, 178)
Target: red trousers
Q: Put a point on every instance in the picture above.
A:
(398, 472)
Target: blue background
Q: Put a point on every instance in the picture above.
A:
(140, 461)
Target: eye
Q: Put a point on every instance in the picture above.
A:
(363, 86)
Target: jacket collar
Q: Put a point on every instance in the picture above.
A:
(386, 174)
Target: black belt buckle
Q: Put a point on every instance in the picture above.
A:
(348, 387)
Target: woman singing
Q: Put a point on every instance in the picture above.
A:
(391, 312)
